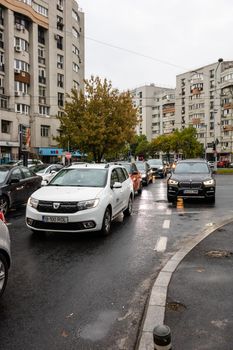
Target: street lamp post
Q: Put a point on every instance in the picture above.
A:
(220, 60)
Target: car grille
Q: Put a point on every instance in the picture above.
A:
(64, 207)
(191, 184)
(69, 226)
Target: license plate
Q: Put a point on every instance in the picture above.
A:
(56, 219)
(191, 191)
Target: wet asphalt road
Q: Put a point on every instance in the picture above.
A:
(83, 291)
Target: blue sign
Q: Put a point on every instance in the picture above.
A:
(50, 151)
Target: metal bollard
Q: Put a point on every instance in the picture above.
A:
(162, 338)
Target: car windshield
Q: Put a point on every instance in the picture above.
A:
(191, 168)
(80, 178)
(141, 166)
(40, 168)
(155, 162)
(3, 174)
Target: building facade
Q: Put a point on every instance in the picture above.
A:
(156, 110)
(204, 99)
(41, 59)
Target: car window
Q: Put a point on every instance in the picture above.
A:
(125, 172)
(3, 174)
(114, 177)
(134, 168)
(121, 175)
(190, 168)
(128, 168)
(26, 172)
(141, 166)
(16, 174)
(80, 177)
(155, 162)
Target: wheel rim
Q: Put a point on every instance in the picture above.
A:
(107, 221)
(2, 275)
(3, 205)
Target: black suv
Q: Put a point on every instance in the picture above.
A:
(192, 178)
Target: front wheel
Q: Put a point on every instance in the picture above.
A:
(129, 209)
(3, 273)
(171, 199)
(106, 226)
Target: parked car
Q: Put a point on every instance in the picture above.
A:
(191, 178)
(46, 171)
(158, 167)
(145, 171)
(223, 164)
(84, 197)
(17, 183)
(31, 162)
(5, 256)
(211, 164)
(135, 176)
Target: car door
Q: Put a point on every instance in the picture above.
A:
(30, 181)
(125, 190)
(16, 186)
(116, 194)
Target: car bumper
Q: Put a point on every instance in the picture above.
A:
(82, 221)
(205, 192)
(157, 172)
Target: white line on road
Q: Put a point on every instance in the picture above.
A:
(166, 224)
(161, 244)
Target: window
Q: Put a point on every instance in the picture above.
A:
(41, 55)
(75, 15)
(21, 65)
(40, 9)
(43, 110)
(75, 84)
(6, 126)
(21, 43)
(26, 172)
(59, 42)
(121, 175)
(42, 91)
(16, 174)
(114, 177)
(21, 87)
(75, 33)
(3, 102)
(60, 61)
(41, 35)
(60, 80)
(60, 24)
(75, 67)
(75, 50)
(22, 108)
(60, 99)
(44, 130)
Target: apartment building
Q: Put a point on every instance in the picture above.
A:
(41, 59)
(204, 99)
(156, 110)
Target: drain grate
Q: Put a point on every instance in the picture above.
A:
(219, 254)
(175, 306)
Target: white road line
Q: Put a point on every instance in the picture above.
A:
(161, 244)
(166, 224)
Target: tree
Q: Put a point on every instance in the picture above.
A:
(99, 121)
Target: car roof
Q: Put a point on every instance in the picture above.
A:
(93, 166)
(192, 161)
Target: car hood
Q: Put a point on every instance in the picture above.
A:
(190, 177)
(67, 193)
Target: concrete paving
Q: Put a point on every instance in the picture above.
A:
(193, 294)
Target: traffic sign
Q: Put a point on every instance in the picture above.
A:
(68, 155)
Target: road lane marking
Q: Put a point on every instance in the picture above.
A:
(161, 244)
(166, 224)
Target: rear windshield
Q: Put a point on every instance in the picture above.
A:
(140, 166)
(155, 162)
(191, 168)
(80, 178)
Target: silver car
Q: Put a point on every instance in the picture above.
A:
(5, 255)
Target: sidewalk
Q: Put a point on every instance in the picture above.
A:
(193, 294)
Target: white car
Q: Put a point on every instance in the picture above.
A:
(47, 172)
(80, 198)
(5, 255)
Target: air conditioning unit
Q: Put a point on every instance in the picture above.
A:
(18, 48)
(17, 93)
(17, 70)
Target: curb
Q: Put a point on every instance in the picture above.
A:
(157, 302)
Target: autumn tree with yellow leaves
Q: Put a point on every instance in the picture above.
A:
(99, 121)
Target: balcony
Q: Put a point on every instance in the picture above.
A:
(228, 106)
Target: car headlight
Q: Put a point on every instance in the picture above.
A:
(33, 202)
(208, 182)
(172, 182)
(160, 168)
(87, 204)
(143, 175)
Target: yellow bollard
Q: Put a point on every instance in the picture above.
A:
(180, 203)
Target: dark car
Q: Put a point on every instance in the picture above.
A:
(17, 183)
(158, 167)
(135, 175)
(145, 171)
(191, 178)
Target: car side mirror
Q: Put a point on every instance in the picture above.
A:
(117, 185)
(53, 172)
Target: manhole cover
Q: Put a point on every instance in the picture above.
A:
(218, 254)
(175, 306)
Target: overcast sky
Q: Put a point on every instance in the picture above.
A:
(133, 43)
